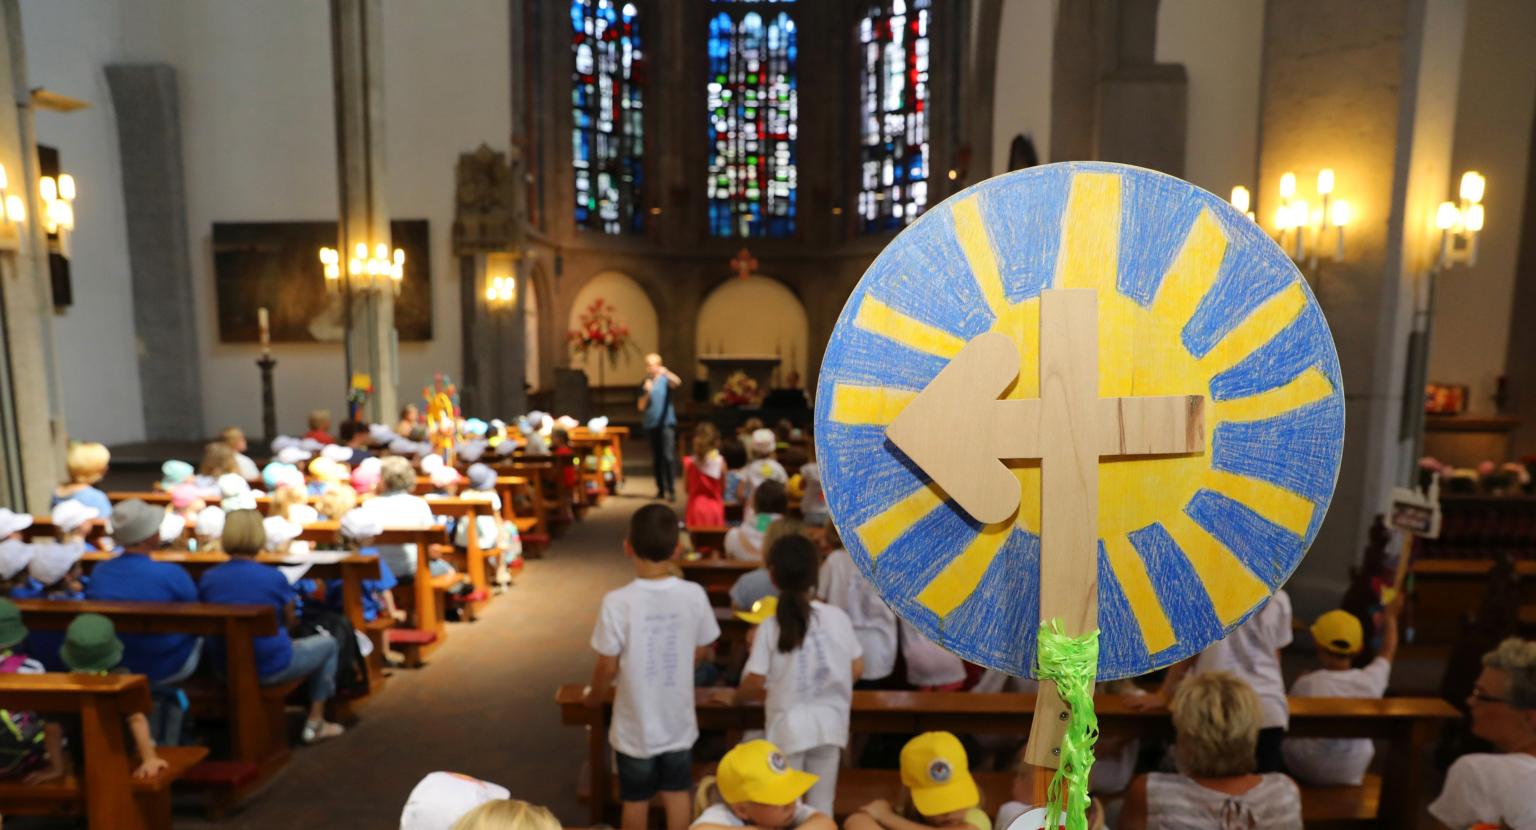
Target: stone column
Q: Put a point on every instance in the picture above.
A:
(1368, 89)
(357, 69)
(31, 410)
(148, 108)
(489, 240)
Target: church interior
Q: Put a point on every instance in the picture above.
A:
(863, 414)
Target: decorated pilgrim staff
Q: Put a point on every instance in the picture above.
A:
(1079, 422)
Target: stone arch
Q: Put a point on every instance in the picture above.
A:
(536, 301)
(633, 308)
(755, 315)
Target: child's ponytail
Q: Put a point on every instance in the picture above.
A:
(792, 562)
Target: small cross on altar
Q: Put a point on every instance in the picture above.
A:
(744, 264)
(959, 433)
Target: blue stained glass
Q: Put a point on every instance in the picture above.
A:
(753, 107)
(894, 114)
(607, 110)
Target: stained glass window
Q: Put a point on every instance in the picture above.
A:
(894, 106)
(607, 133)
(753, 110)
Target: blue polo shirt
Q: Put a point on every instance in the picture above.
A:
(372, 588)
(244, 582)
(134, 577)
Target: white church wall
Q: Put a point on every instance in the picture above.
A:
(1493, 133)
(1220, 43)
(757, 316)
(258, 143)
(632, 307)
(1022, 97)
(68, 42)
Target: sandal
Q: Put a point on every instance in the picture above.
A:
(315, 732)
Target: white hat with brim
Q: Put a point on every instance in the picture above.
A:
(280, 531)
(360, 524)
(294, 455)
(13, 522)
(51, 561)
(69, 515)
(171, 527)
(210, 522)
(336, 452)
(15, 555)
(442, 798)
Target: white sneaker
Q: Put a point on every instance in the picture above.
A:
(316, 732)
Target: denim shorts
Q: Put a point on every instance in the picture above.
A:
(641, 778)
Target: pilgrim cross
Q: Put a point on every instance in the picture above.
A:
(958, 432)
(744, 263)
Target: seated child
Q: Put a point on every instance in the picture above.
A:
(209, 528)
(440, 799)
(492, 533)
(650, 634)
(735, 457)
(320, 427)
(174, 473)
(760, 468)
(55, 572)
(26, 742)
(561, 441)
(754, 786)
(1338, 637)
(507, 814)
(813, 500)
(91, 646)
(769, 503)
(757, 584)
(87, 464)
(929, 667)
(335, 501)
(15, 553)
(937, 790)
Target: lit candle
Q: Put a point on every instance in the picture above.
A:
(263, 330)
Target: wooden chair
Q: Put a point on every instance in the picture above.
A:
(104, 792)
(1408, 725)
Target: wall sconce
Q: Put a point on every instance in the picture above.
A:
(58, 203)
(365, 272)
(1460, 224)
(500, 293)
(1303, 230)
(1242, 201)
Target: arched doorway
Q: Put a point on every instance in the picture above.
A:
(755, 315)
(631, 307)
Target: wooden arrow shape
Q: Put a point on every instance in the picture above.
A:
(956, 430)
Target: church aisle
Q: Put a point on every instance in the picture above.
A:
(483, 705)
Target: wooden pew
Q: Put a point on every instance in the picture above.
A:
(589, 467)
(718, 575)
(43, 528)
(108, 796)
(1446, 590)
(612, 437)
(533, 525)
(257, 727)
(1408, 725)
(708, 540)
(546, 473)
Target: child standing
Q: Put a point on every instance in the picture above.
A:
(806, 656)
(704, 479)
(1338, 636)
(758, 788)
(874, 623)
(650, 634)
(762, 467)
(937, 790)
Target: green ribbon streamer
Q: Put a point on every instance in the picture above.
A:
(1072, 663)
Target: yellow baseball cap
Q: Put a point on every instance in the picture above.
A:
(934, 768)
(1339, 631)
(761, 610)
(756, 771)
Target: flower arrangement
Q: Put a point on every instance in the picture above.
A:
(358, 394)
(599, 330)
(739, 390)
(1488, 477)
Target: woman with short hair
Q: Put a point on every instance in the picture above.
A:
(87, 463)
(397, 507)
(279, 658)
(1495, 787)
(1216, 717)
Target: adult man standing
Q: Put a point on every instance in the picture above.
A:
(660, 422)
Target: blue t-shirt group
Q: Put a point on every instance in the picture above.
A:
(134, 577)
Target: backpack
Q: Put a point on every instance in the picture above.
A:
(21, 733)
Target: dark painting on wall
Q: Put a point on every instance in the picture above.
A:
(276, 265)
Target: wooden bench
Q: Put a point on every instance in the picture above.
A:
(708, 540)
(43, 528)
(104, 791)
(257, 727)
(614, 437)
(546, 473)
(533, 525)
(1446, 590)
(718, 575)
(1408, 725)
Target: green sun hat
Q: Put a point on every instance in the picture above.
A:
(12, 629)
(91, 645)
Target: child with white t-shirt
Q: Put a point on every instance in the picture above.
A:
(650, 634)
(874, 623)
(1339, 636)
(769, 501)
(1252, 653)
(806, 656)
(760, 467)
(757, 787)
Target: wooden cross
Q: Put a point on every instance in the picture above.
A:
(958, 432)
(744, 264)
